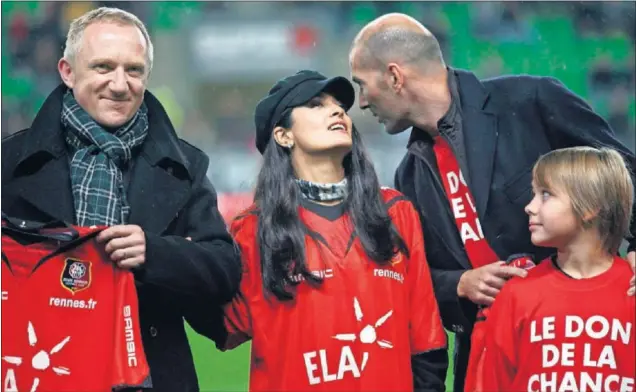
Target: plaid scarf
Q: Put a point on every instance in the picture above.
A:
(322, 192)
(98, 159)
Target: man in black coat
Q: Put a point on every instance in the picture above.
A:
(496, 129)
(102, 151)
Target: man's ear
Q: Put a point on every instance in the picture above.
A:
(66, 72)
(283, 137)
(396, 77)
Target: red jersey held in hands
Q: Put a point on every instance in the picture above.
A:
(549, 332)
(69, 316)
(358, 329)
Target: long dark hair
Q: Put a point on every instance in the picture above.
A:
(281, 235)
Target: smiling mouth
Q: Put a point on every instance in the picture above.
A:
(118, 100)
(338, 127)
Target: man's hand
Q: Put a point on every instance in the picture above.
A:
(125, 244)
(631, 259)
(481, 285)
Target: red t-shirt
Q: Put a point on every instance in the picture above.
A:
(463, 206)
(355, 331)
(549, 332)
(69, 318)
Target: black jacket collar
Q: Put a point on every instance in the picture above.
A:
(46, 133)
(479, 127)
(466, 91)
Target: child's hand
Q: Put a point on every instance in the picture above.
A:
(631, 259)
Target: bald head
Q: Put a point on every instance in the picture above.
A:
(396, 38)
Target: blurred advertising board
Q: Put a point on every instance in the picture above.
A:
(248, 51)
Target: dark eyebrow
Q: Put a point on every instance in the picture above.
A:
(356, 80)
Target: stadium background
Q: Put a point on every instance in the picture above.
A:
(214, 60)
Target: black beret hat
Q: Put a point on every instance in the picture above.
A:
(293, 91)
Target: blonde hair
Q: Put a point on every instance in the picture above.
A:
(598, 184)
(104, 14)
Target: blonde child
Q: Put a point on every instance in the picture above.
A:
(568, 326)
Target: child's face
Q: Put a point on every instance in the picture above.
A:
(552, 220)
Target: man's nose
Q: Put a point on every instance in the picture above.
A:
(362, 102)
(119, 83)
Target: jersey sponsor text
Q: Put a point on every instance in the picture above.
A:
(72, 303)
(318, 371)
(131, 349)
(387, 273)
(323, 274)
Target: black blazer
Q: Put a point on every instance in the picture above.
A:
(508, 123)
(170, 198)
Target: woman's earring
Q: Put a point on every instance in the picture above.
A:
(290, 145)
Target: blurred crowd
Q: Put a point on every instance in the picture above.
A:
(587, 45)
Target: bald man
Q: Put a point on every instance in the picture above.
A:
(469, 159)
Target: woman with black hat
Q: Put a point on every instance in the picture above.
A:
(336, 292)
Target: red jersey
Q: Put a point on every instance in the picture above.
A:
(69, 317)
(550, 332)
(463, 206)
(357, 329)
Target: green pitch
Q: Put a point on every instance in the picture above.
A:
(228, 371)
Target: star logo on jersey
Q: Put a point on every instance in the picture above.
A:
(76, 275)
(40, 361)
(367, 334)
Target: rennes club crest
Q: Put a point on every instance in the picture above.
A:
(76, 275)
